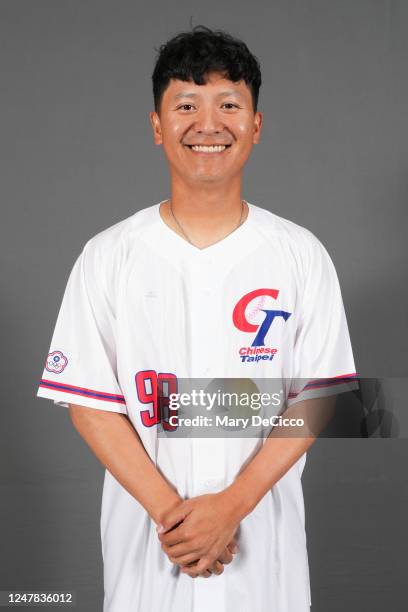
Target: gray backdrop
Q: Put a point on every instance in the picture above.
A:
(77, 156)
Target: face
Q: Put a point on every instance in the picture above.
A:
(218, 114)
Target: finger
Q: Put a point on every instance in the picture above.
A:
(175, 536)
(217, 568)
(180, 550)
(173, 517)
(204, 564)
(190, 571)
(186, 559)
(192, 564)
(233, 546)
(206, 574)
(226, 556)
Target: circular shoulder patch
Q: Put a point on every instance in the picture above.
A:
(56, 362)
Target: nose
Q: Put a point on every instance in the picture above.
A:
(208, 121)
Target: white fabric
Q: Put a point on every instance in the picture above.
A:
(140, 297)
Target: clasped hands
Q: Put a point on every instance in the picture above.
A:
(198, 535)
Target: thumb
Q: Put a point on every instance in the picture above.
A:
(172, 518)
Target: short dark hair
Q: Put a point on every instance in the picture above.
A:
(194, 54)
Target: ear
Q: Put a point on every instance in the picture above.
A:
(155, 122)
(258, 119)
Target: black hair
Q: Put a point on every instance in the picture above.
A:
(192, 55)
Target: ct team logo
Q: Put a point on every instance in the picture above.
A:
(56, 362)
(258, 321)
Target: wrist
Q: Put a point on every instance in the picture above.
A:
(239, 501)
(160, 509)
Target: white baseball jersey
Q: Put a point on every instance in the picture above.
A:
(141, 302)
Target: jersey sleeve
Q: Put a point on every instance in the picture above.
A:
(80, 367)
(323, 361)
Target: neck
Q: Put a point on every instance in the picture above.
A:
(204, 218)
(193, 201)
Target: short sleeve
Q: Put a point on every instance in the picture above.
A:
(80, 367)
(323, 361)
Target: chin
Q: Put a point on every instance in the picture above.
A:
(209, 178)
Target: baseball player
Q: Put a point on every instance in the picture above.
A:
(201, 285)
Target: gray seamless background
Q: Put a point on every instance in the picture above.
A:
(77, 156)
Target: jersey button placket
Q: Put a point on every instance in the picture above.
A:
(207, 453)
(204, 315)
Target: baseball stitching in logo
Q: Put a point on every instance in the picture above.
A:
(257, 351)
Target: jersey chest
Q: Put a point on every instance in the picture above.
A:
(209, 315)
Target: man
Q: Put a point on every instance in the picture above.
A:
(200, 285)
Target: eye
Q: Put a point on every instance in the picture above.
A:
(182, 105)
(231, 104)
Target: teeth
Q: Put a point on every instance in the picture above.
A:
(212, 149)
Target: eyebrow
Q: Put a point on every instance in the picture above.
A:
(186, 94)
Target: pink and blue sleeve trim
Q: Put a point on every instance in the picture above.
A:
(318, 383)
(101, 395)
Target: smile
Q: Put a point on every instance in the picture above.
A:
(208, 149)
